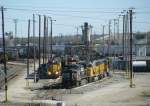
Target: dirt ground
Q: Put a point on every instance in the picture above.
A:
(114, 91)
(119, 94)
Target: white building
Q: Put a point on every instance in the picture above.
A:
(141, 43)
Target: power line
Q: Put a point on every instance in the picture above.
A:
(65, 25)
(74, 16)
(143, 12)
(23, 20)
(60, 10)
(20, 20)
(67, 15)
(74, 11)
(83, 8)
(142, 22)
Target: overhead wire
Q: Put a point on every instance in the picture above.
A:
(23, 20)
(74, 11)
(142, 22)
(68, 15)
(66, 25)
(60, 10)
(50, 11)
(75, 16)
(81, 8)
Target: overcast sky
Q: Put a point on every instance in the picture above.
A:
(70, 14)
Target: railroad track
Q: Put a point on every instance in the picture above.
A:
(60, 94)
(10, 76)
(13, 69)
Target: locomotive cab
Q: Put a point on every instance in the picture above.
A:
(54, 69)
(71, 75)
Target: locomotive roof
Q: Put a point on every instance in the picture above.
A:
(72, 67)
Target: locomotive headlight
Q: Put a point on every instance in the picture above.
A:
(56, 72)
(49, 73)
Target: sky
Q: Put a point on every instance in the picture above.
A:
(70, 14)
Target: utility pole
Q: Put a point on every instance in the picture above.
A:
(77, 34)
(34, 46)
(51, 36)
(47, 40)
(109, 37)
(125, 44)
(114, 42)
(123, 36)
(50, 44)
(103, 40)
(77, 31)
(118, 30)
(47, 44)
(39, 46)
(44, 39)
(15, 41)
(39, 40)
(28, 48)
(4, 52)
(114, 29)
(109, 43)
(131, 34)
(118, 36)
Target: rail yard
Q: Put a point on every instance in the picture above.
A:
(100, 92)
(74, 53)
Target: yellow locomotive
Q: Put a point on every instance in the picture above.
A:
(74, 75)
(54, 67)
(97, 70)
(54, 70)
